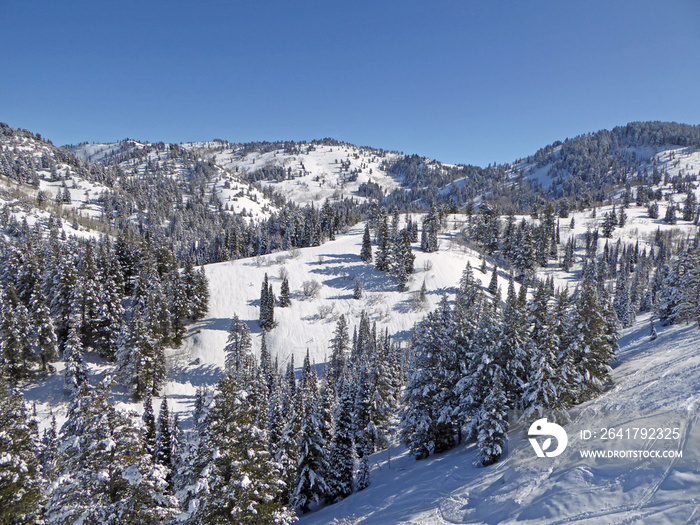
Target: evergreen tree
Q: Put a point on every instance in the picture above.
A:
(265, 314)
(363, 480)
(107, 474)
(76, 373)
(165, 443)
(670, 217)
(342, 451)
(149, 424)
(493, 284)
(595, 339)
(384, 259)
(20, 470)
(430, 399)
(238, 481)
(44, 337)
(357, 293)
(310, 485)
(431, 227)
(237, 352)
(493, 423)
(141, 356)
(366, 252)
(339, 352)
(16, 336)
(284, 301)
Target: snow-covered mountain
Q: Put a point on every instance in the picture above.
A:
(196, 194)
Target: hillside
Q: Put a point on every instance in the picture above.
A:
(655, 383)
(101, 239)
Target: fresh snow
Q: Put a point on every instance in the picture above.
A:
(649, 378)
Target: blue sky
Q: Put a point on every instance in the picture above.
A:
(463, 82)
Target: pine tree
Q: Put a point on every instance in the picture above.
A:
(401, 277)
(384, 259)
(670, 217)
(238, 481)
(363, 481)
(366, 252)
(595, 340)
(76, 373)
(149, 424)
(342, 451)
(237, 352)
(271, 307)
(20, 470)
(44, 337)
(310, 485)
(339, 352)
(265, 319)
(544, 391)
(14, 337)
(423, 294)
(430, 398)
(165, 443)
(107, 475)
(357, 293)
(493, 284)
(284, 301)
(516, 346)
(141, 357)
(493, 423)
(431, 227)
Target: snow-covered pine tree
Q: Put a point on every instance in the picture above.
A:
(516, 346)
(271, 307)
(165, 443)
(20, 470)
(149, 425)
(430, 398)
(197, 287)
(544, 391)
(264, 319)
(44, 336)
(238, 482)
(595, 339)
(493, 422)
(366, 251)
(237, 352)
(310, 487)
(141, 357)
(429, 234)
(384, 259)
(357, 292)
(284, 301)
(14, 335)
(107, 475)
(341, 457)
(339, 352)
(76, 372)
(493, 284)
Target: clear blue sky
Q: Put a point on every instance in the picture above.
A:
(462, 81)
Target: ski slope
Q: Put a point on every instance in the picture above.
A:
(654, 383)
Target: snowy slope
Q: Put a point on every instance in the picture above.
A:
(659, 377)
(137, 158)
(316, 172)
(309, 323)
(673, 160)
